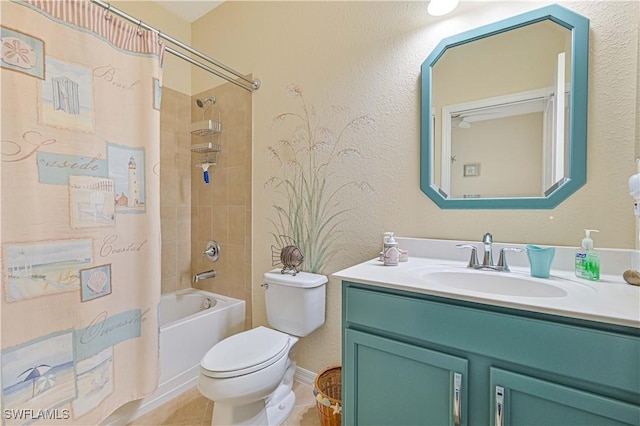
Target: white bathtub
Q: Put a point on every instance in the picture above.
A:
(185, 323)
(187, 331)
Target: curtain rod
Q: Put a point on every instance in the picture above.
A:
(250, 85)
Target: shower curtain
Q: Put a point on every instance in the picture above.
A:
(80, 212)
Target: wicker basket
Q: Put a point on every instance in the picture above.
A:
(328, 391)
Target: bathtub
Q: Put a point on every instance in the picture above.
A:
(191, 322)
(186, 323)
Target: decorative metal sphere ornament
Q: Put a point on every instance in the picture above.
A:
(288, 255)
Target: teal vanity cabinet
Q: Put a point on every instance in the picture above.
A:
(410, 385)
(415, 359)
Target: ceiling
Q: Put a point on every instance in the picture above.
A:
(190, 10)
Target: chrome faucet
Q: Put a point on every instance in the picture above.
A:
(204, 275)
(487, 259)
(487, 241)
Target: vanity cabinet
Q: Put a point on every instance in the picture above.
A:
(411, 385)
(524, 400)
(415, 359)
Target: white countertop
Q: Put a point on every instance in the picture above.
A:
(609, 300)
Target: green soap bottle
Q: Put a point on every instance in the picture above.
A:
(587, 261)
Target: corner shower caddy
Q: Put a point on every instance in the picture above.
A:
(207, 128)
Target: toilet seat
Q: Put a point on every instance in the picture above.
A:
(245, 353)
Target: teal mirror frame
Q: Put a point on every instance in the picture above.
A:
(577, 174)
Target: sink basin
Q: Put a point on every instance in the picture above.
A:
(495, 283)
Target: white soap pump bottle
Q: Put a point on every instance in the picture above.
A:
(391, 251)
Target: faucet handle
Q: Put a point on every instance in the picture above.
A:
(473, 260)
(502, 260)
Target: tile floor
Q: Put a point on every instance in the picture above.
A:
(193, 409)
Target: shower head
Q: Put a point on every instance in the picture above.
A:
(202, 102)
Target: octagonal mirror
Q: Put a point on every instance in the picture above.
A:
(504, 113)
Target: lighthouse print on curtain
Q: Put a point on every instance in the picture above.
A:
(80, 212)
(129, 180)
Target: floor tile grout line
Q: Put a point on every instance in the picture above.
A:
(203, 420)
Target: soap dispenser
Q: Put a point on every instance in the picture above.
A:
(587, 261)
(391, 251)
(385, 239)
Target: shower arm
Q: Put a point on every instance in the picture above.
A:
(206, 104)
(251, 84)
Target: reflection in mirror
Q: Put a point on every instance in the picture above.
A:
(499, 110)
(501, 99)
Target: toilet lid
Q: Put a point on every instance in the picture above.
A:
(245, 352)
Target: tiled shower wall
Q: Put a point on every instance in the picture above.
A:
(221, 210)
(175, 190)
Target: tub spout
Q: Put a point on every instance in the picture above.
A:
(204, 275)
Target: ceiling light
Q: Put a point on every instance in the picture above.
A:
(441, 7)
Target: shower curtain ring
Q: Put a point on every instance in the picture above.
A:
(107, 14)
(139, 30)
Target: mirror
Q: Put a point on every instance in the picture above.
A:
(504, 113)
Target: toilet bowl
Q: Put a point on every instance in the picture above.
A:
(240, 372)
(249, 375)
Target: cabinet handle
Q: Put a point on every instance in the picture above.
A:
(457, 386)
(499, 415)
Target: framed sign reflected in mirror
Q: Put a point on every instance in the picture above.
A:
(472, 169)
(512, 96)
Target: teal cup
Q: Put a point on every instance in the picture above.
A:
(540, 259)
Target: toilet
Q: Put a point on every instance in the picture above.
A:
(249, 375)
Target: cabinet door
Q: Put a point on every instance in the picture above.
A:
(386, 382)
(520, 400)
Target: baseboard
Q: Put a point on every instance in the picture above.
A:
(304, 376)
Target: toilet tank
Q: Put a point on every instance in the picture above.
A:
(295, 304)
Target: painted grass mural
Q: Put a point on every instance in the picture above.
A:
(314, 163)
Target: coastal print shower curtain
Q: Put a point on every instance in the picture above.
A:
(80, 212)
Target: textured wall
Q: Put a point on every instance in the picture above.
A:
(364, 58)
(177, 73)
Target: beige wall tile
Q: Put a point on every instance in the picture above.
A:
(184, 192)
(184, 119)
(184, 142)
(219, 184)
(175, 190)
(236, 266)
(247, 227)
(168, 223)
(205, 223)
(183, 224)
(221, 224)
(169, 263)
(182, 162)
(183, 261)
(248, 191)
(205, 191)
(168, 141)
(237, 149)
(229, 195)
(167, 284)
(236, 186)
(196, 256)
(237, 222)
(168, 188)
